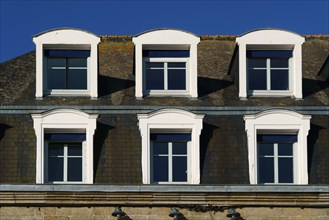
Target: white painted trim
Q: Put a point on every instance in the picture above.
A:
(169, 120)
(282, 121)
(164, 39)
(68, 39)
(271, 39)
(68, 120)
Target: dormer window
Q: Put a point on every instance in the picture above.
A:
(268, 70)
(66, 63)
(66, 69)
(166, 63)
(270, 64)
(165, 71)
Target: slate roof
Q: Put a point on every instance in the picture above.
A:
(215, 86)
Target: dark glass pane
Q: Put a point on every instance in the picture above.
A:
(175, 65)
(160, 168)
(265, 149)
(74, 150)
(74, 172)
(154, 79)
(279, 63)
(154, 65)
(56, 78)
(55, 169)
(56, 62)
(279, 79)
(269, 53)
(179, 169)
(171, 137)
(77, 79)
(256, 63)
(77, 62)
(166, 53)
(160, 148)
(276, 138)
(286, 170)
(285, 149)
(55, 149)
(265, 170)
(67, 53)
(65, 136)
(257, 79)
(176, 79)
(179, 148)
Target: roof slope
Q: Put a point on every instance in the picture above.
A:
(215, 87)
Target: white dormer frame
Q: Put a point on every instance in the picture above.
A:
(272, 39)
(63, 121)
(167, 39)
(67, 38)
(278, 121)
(171, 120)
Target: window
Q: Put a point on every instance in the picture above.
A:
(64, 146)
(66, 69)
(170, 160)
(276, 158)
(63, 157)
(268, 70)
(66, 63)
(165, 71)
(277, 147)
(270, 63)
(170, 146)
(166, 63)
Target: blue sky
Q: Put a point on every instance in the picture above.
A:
(20, 20)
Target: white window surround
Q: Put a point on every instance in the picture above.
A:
(166, 39)
(171, 120)
(279, 121)
(72, 39)
(70, 121)
(272, 39)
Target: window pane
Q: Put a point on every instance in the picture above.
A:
(179, 148)
(55, 149)
(176, 79)
(150, 65)
(279, 79)
(77, 79)
(266, 170)
(257, 79)
(179, 169)
(160, 168)
(56, 62)
(279, 63)
(173, 65)
(154, 79)
(265, 149)
(285, 170)
(74, 150)
(55, 169)
(74, 172)
(56, 78)
(256, 63)
(77, 62)
(160, 148)
(285, 149)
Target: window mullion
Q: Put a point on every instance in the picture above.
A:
(170, 167)
(268, 74)
(65, 163)
(276, 164)
(165, 76)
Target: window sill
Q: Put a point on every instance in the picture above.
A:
(270, 94)
(68, 93)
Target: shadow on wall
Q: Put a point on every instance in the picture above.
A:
(108, 85)
(313, 136)
(208, 85)
(99, 139)
(206, 135)
(3, 128)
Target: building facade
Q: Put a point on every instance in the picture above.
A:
(166, 125)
